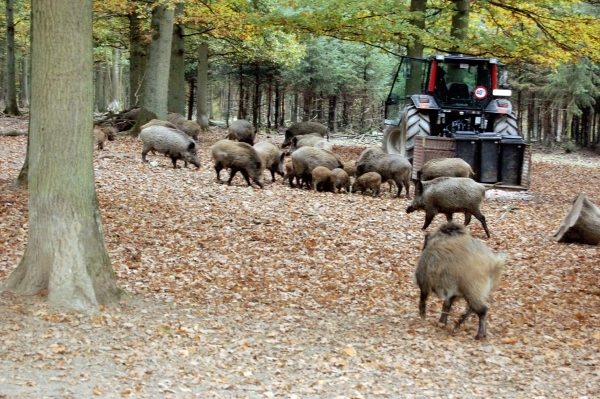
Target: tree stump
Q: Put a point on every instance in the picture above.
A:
(582, 223)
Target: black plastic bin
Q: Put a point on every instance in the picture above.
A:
(489, 160)
(511, 159)
(467, 149)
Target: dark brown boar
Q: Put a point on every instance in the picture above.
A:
(389, 166)
(306, 159)
(238, 157)
(271, 156)
(299, 128)
(241, 130)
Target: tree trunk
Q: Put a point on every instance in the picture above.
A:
(202, 89)
(331, 113)
(415, 48)
(176, 101)
(100, 95)
(115, 82)
(256, 103)
(156, 81)
(137, 59)
(12, 106)
(582, 223)
(460, 23)
(191, 99)
(66, 253)
(24, 94)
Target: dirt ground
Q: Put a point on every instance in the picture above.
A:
(239, 292)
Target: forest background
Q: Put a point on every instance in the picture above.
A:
(275, 62)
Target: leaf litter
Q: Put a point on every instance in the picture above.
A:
(238, 292)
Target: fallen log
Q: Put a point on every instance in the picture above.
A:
(582, 223)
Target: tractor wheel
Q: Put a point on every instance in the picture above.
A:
(506, 124)
(401, 139)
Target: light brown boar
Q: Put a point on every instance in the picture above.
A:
(241, 130)
(350, 168)
(449, 195)
(176, 118)
(289, 173)
(238, 157)
(321, 178)
(389, 166)
(306, 159)
(444, 167)
(299, 128)
(455, 265)
(271, 156)
(158, 122)
(339, 180)
(171, 142)
(304, 140)
(99, 138)
(369, 180)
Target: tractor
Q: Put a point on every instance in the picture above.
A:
(457, 106)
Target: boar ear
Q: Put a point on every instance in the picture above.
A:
(418, 187)
(191, 146)
(282, 156)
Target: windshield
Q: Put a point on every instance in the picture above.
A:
(463, 84)
(409, 79)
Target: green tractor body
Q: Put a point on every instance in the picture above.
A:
(457, 106)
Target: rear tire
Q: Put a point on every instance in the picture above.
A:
(506, 124)
(401, 139)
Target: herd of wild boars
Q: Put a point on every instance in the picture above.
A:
(452, 263)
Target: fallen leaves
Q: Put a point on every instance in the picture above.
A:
(289, 293)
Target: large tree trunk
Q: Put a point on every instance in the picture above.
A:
(582, 223)
(24, 94)
(202, 89)
(460, 23)
(12, 106)
(156, 80)
(176, 100)
(66, 253)
(137, 59)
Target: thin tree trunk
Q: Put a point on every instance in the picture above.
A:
(115, 82)
(202, 89)
(24, 94)
(331, 114)
(256, 102)
(12, 106)
(137, 58)
(66, 253)
(176, 101)
(191, 99)
(156, 82)
(100, 95)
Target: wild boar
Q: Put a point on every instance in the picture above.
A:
(289, 173)
(306, 159)
(339, 180)
(389, 166)
(368, 152)
(350, 168)
(369, 180)
(103, 133)
(241, 130)
(271, 156)
(455, 265)
(158, 122)
(169, 142)
(238, 157)
(175, 118)
(304, 140)
(449, 195)
(321, 178)
(444, 167)
(298, 128)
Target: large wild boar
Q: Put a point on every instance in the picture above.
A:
(158, 122)
(444, 167)
(304, 140)
(455, 265)
(272, 156)
(306, 159)
(299, 128)
(241, 130)
(170, 142)
(238, 157)
(389, 166)
(449, 195)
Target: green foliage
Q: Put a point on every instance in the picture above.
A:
(575, 85)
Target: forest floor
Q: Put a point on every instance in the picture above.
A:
(285, 293)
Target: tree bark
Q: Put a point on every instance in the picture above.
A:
(176, 100)
(156, 81)
(582, 223)
(100, 94)
(137, 59)
(460, 23)
(24, 93)
(66, 253)
(115, 82)
(12, 106)
(202, 88)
